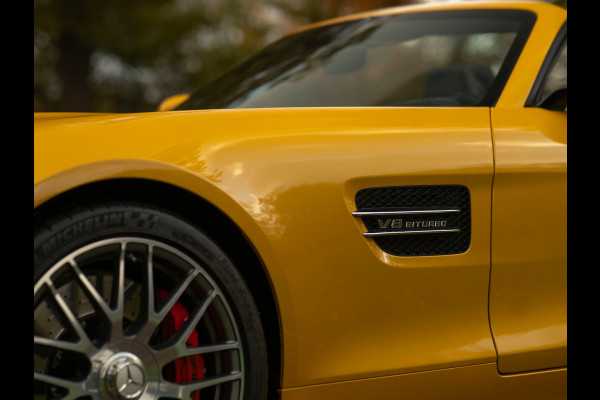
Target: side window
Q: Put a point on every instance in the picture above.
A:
(550, 88)
(458, 58)
(557, 78)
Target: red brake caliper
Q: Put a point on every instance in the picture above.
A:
(187, 369)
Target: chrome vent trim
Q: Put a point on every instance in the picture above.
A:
(416, 220)
(421, 232)
(402, 212)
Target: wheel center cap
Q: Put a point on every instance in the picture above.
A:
(124, 376)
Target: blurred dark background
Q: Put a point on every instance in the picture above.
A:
(127, 56)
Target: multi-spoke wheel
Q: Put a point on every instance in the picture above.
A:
(133, 303)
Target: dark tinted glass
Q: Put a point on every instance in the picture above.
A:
(428, 59)
(557, 78)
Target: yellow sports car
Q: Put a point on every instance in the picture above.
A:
(371, 207)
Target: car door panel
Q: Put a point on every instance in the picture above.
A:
(528, 292)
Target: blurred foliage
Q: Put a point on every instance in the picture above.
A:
(126, 56)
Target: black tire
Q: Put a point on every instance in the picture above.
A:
(133, 302)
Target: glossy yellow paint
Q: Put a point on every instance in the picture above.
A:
(355, 320)
(528, 291)
(471, 382)
(290, 185)
(550, 20)
(171, 102)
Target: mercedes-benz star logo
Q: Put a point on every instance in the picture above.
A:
(129, 380)
(124, 377)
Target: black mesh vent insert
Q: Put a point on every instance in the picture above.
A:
(418, 199)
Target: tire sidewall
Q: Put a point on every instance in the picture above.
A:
(66, 233)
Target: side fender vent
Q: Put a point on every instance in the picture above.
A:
(417, 220)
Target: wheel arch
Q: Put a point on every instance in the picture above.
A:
(213, 221)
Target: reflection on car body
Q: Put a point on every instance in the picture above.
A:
(358, 211)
